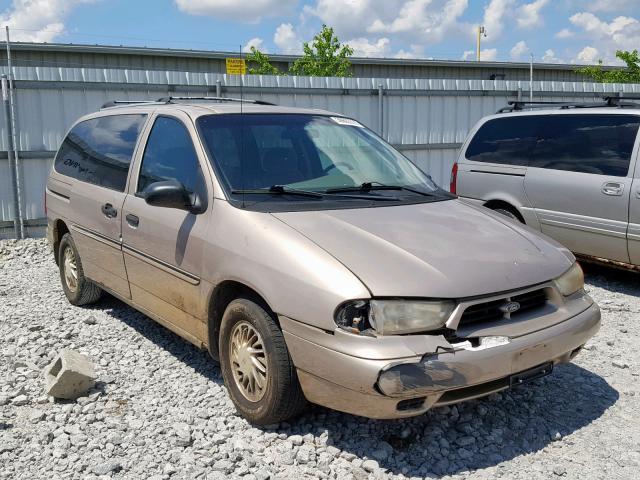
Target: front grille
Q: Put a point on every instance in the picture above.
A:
(491, 311)
(530, 300)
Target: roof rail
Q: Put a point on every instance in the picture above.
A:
(214, 99)
(620, 99)
(116, 103)
(519, 105)
(612, 100)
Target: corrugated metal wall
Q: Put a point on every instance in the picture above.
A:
(427, 119)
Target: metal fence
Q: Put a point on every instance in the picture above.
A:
(427, 119)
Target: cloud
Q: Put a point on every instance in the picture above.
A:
(529, 14)
(416, 51)
(429, 20)
(235, 10)
(621, 33)
(494, 14)
(565, 33)
(488, 54)
(258, 43)
(498, 12)
(608, 5)
(287, 39)
(424, 21)
(44, 26)
(588, 55)
(363, 47)
(519, 50)
(550, 57)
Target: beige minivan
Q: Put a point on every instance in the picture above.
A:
(309, 257)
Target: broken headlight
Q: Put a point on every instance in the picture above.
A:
(394, 317)
(571, 281)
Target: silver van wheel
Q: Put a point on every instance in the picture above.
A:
(248, 361)
(70, 270)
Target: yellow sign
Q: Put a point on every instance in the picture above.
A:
(236, 66)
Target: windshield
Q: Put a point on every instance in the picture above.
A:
(304, 152)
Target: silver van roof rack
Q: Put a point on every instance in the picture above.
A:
(213, 99)
(611, 100)
(118, 103)
(166, 100)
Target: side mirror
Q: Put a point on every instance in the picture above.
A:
(172, 194)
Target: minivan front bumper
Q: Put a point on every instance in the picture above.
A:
(403, 387)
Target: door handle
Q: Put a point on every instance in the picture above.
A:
(109, 211)
(132, 220)
(614, 189)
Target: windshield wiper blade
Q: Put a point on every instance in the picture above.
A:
(282, 190)
(369, 186)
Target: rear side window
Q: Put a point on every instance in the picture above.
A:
(99, 150)
(170, 155)
(598, 144)
(507, 140)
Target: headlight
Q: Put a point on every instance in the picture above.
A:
(571, 281)
(389, 317)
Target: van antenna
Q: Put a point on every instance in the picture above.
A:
(242, 131)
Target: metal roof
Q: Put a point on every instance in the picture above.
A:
(211, 54)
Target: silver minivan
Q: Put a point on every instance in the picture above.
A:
(567, 171)
(309, 257)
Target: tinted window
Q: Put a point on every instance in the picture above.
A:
(599, 144)
(99, 151)
(507, 140)
(170, 155)
(312, 152)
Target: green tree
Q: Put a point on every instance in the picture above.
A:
(260, 64)
(630, 74)
(325, 57)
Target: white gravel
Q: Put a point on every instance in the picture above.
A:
(160, 409)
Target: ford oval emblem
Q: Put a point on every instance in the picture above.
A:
(510, 307)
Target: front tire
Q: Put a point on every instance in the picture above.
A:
(256, 366)
(78, 289)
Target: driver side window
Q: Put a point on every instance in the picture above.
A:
(170, 155)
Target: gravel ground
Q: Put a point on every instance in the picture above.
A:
(160, 409)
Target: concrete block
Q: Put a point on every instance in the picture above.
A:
(69, 376)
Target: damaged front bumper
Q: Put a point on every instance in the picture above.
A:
(462, 367)
(379, 387)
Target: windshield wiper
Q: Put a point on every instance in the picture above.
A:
(369, 186)
(282, 190)
(279, 189)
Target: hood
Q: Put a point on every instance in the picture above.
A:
(446, 249)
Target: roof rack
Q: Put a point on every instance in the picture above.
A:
(165, 100)
(620, 99)
(214, 99)
(612, 100)
(116, 103)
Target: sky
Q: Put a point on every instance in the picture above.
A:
(554, 31)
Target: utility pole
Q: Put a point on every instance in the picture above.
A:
(531, 79)
(7, 94)
(13, 167)
(481, 32)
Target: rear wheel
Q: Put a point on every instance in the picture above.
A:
(78, 289)
(256, 366)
